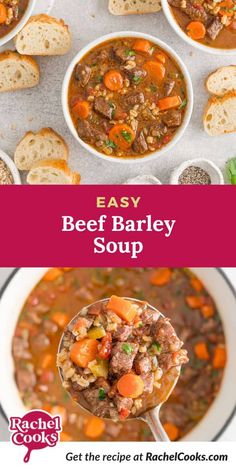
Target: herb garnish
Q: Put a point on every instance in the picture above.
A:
(127, 348)
(183, 104)
(137, 79)
(156, 347)
(110, 143)
(153, 88)
(126, 135)
(129, 53)
(101, 394)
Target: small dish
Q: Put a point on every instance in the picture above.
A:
(214, 172)
(11, 166)
(143, 180)
(28, 12)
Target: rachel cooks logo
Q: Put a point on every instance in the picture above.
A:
(35, 430)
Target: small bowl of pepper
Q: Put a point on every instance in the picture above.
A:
(9, 174)
(197, 172)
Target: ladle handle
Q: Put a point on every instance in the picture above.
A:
(153, 421)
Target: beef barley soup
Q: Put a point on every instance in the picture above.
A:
(127, 98)
(62, 293)
(11, 12)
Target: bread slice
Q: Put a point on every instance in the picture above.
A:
(221, 81)
(132, 7)
(17, 72)
(52, 172)
(40, 146)
(43, 35)
(220, 115)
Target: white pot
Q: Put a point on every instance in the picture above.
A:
(19, 286)
(11, 166)
(28, 12)
(162, 45)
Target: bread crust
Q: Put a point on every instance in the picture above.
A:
(16, 57)
(214, 73)
(135, 11)
(218, 100)
(62, 166)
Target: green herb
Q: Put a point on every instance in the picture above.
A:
(110, 143)
(101, 394)
(183, 104)
(126, 135)
(214, 373)
(113, 107)
(156, 347)
(153, 88)
(231, 170)
(151, 50)
(99, 79)
(127, 348)
(137, 79)
(129, 52)
(140, 325)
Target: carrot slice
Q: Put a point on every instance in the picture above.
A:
(84, 351)
(130, 386)
(161, 57)
(172, 431)
(220, 357)
(94, 427)
(60, 318)
(201, 351)
(142, 45)
(208, 311)
(169, 102)
(161, 276)
(196, 284)
(155, 70)
(123, 136)
(47, 361)
(113, 80)
(196, 30)
(123, 308)
(3, 13)
(81, 109)
(194, 301)
(52, 275)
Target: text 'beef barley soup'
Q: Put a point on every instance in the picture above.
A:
(127, 98)
(62, 293)
(11, 12)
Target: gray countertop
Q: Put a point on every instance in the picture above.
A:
(40, 107)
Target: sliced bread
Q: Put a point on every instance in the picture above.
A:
(220, 115)
(221, 81)
(132, 7)
(17, 71)
(40, 146)
(43, 35)
(52, 172)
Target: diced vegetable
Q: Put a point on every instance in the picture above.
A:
(231, 166)
(142, 45)
(219, 358)
(123, 308)
(80, 324)
(160, 56)
(81, 109)
(101, 394)
(105, 347)
(201, 351)
(84, 351)
(155, 70)
(127, 348)
(113, 80)
(156, 348)
(130, 386)
(96, 332)
(100, 369)
(94, 427)
(194, 301)
(47, 361)
(208, 311)
(3, 13)
(172, 431)
(169, 102)
(52, 275)
(122, 135)
(60, 318)
(196, 284)
(124, 413)
(196, 30)
(161, 276)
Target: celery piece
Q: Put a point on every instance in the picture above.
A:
(231, 170)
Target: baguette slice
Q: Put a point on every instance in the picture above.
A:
(43, 35)
(221, 81)
(17, 72)
(132, 7)
(40, 146)
(220, 115)
(52, 172)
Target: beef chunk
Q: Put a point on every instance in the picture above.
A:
(134, 99)
(148, 380)
(168, 360)
(89, 132)
(140, 144)
(102, 56)
(168, 86)
(172, 118)
(122, 333)
(158, 130)
(40, 342)
(83, 74)
(123, 403)
(175, 3)
(136, 74)
(148, 317)
(26, 380)
(99, 407)
(123, 54)
(103, 107)
(195, 11)
(142, 364)
(165, 335)
(21, 348)
(122, 362)
(214, 28)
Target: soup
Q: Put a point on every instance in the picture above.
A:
(62, 293)
(11, 12)
(208, 22)
(127, 98)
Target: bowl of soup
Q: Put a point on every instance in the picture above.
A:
(127, 96)
(37, 304)
(13, 16)
(206, 25)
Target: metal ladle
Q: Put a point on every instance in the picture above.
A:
(168, 382)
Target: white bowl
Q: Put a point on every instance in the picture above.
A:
(12, 167)
(173, 23)
(19, 286)
(94, 44)
(143, 180)
(20, 25)
(209, 166)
